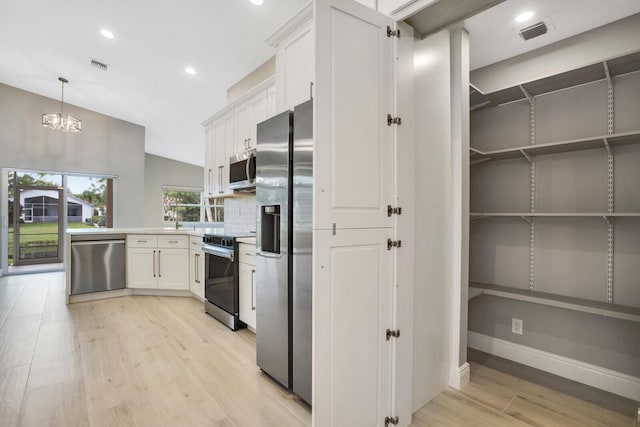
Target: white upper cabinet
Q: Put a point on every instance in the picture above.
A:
(294, 66)
(222, 140)
(247, 116)
(232, 131)
(271, 101)
(353, 150)
(243, 127)
(208, 160)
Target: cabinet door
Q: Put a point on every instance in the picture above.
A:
(294, 68)
(242, 126)
(173, 269)
(352, 311)
(196, 273)
(353, 148)
(221, 153)
(248, 294)
(141, 268)
(271, 101)
(209, 166)
(258, 114)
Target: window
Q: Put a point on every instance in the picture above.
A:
(214, 210)
(181, 204)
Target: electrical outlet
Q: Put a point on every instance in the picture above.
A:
(238, 211)
(516, 326)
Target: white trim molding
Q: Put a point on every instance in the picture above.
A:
(300, 18)
(459, 376)
(575, 370)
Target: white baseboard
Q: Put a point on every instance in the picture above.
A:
(575, 370)
(460, 376)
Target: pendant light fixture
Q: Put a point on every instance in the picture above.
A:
(61, 121)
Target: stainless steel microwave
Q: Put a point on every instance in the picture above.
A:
(242, 171)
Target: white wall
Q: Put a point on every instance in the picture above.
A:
(161, 172)
(105, 146)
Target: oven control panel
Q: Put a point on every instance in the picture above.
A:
(224, 241)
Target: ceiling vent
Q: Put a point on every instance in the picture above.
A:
(534, 30)
(99, 65)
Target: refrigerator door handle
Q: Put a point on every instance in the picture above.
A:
(253, 287)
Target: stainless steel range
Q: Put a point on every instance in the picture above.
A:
(221, 286)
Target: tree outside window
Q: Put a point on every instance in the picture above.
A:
(183, 205)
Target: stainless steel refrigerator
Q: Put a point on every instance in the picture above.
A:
(284, 183)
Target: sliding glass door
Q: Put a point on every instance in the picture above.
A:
(37, 213)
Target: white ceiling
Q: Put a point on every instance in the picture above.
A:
(493, 34)
(223, 40)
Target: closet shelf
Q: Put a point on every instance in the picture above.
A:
(478, 215)
(559, 301)
(525, 152)
(591, 73)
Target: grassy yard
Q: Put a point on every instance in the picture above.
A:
(38, 236)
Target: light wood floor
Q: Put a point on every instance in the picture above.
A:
(160, 361)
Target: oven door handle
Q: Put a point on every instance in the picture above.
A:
(221, 252)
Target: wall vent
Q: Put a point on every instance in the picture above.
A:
(99, 65)
(534, 30)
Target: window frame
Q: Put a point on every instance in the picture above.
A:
(203, 205)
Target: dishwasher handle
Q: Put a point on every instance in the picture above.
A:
(96, 242)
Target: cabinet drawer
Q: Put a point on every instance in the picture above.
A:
(195, 243)
(178, 242)
(247, 253)
(142, 241)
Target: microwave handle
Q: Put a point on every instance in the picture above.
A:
(246, 168)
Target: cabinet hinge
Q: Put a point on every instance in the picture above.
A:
(393, 120)
(395, 333)
(391, 210)
(393, 33)
(393, 244)
(391, 420)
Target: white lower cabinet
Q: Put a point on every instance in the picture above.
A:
(157, 262)
(248, 285)
(196, 267)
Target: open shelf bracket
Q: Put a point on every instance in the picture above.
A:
(527, 156)
(527, 94)
(607, 146)
(528, 219)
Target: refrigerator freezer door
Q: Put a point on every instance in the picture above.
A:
(302, 247)
(272, 255)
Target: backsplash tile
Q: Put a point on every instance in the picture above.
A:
(240, 214)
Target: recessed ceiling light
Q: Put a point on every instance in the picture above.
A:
(524, 16)
(106, 33)
(190, 70)
(257, 2)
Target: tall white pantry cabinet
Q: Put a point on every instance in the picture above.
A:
(362, 306)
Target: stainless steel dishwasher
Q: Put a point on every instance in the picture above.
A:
(97, 263)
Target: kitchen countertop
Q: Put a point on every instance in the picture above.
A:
(159, 230)
(247, 240)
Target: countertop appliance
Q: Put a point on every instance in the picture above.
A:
(221, 285)
(284, 182)
(242, 171)
(97, 263)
